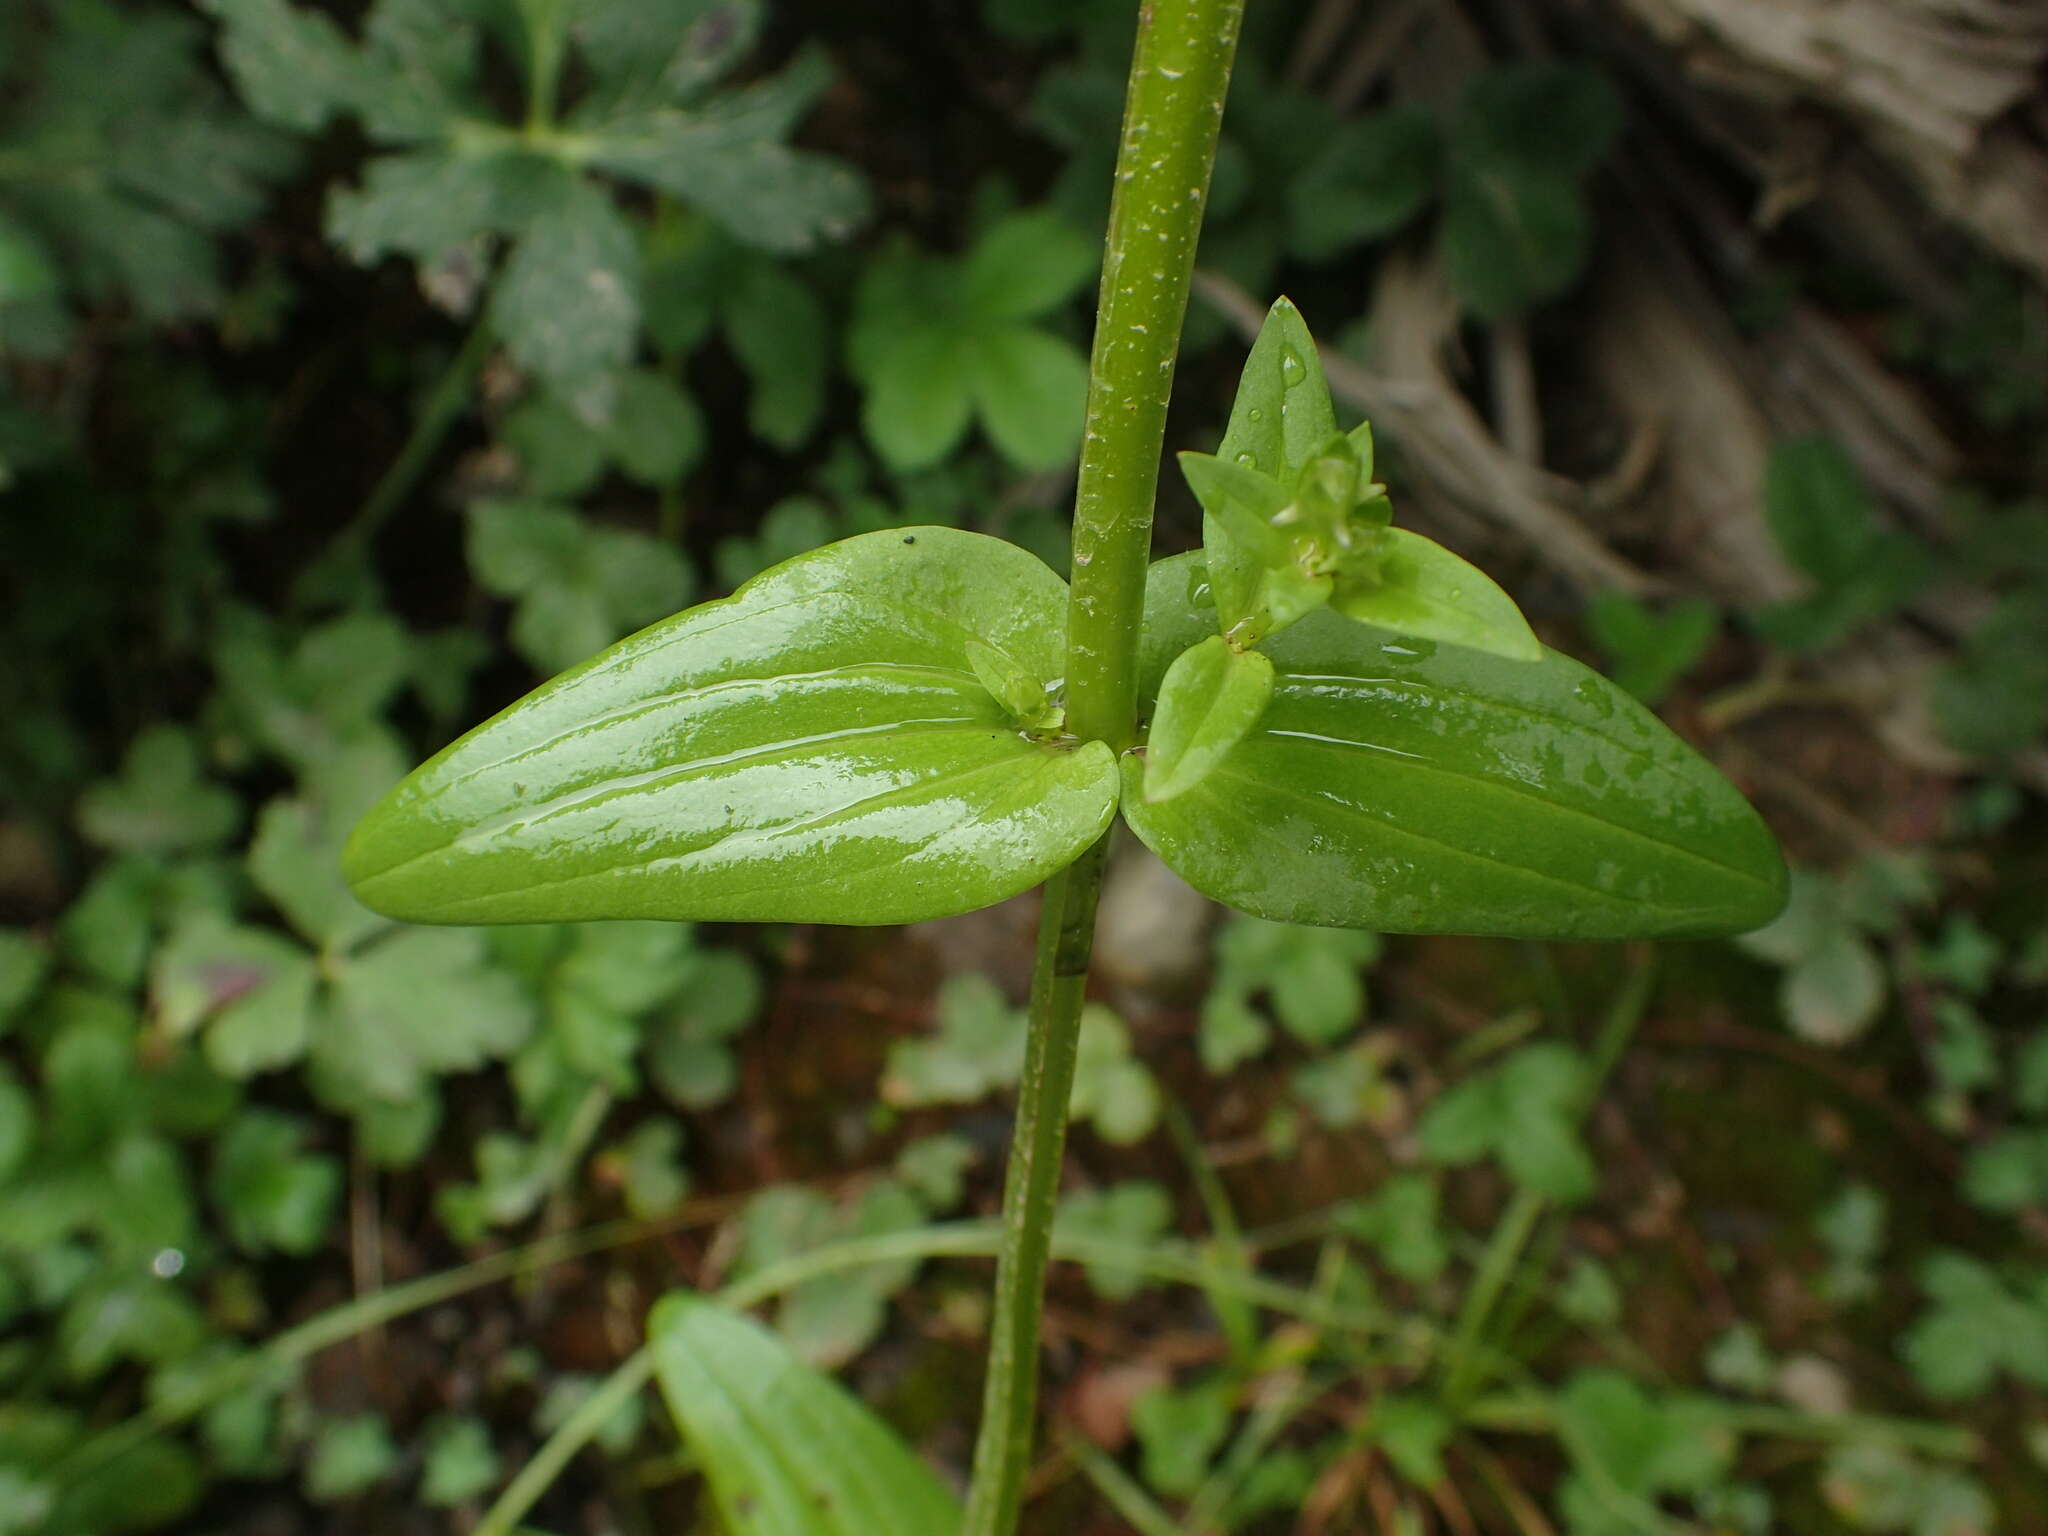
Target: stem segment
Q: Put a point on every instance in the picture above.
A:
(1180, 75)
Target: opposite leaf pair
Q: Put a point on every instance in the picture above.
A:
(871, 733)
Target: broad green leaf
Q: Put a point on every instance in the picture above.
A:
(1031, 388)
(1408, 787)
(1209, 700)
(1425, 590)
(1026, 265)
(787, 1451)
(1282, 416)
(815, 748)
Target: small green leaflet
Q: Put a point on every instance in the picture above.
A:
(1210, 698)
(1282, 416)
(1010, 685)
(1426, 591)
(787, 1451)
(1292, 519)
(816, 748)
(1407, 787)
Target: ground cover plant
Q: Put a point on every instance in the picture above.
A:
(363, 367)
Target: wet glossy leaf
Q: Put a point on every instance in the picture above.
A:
(1282, 416)
(787, 1451)
(1408, 787)
(1250, 567)
(1209, 700)
(1007, 682)
(815, 748)
(1425, 590)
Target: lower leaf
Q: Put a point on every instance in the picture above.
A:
(1398, 785)
(786, 1449)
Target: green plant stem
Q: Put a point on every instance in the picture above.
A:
(1173, 1263)
(451, 395)
(1180, 75)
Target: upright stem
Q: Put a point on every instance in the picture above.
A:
(1180, 75)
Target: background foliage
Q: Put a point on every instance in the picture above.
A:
(362, 364)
